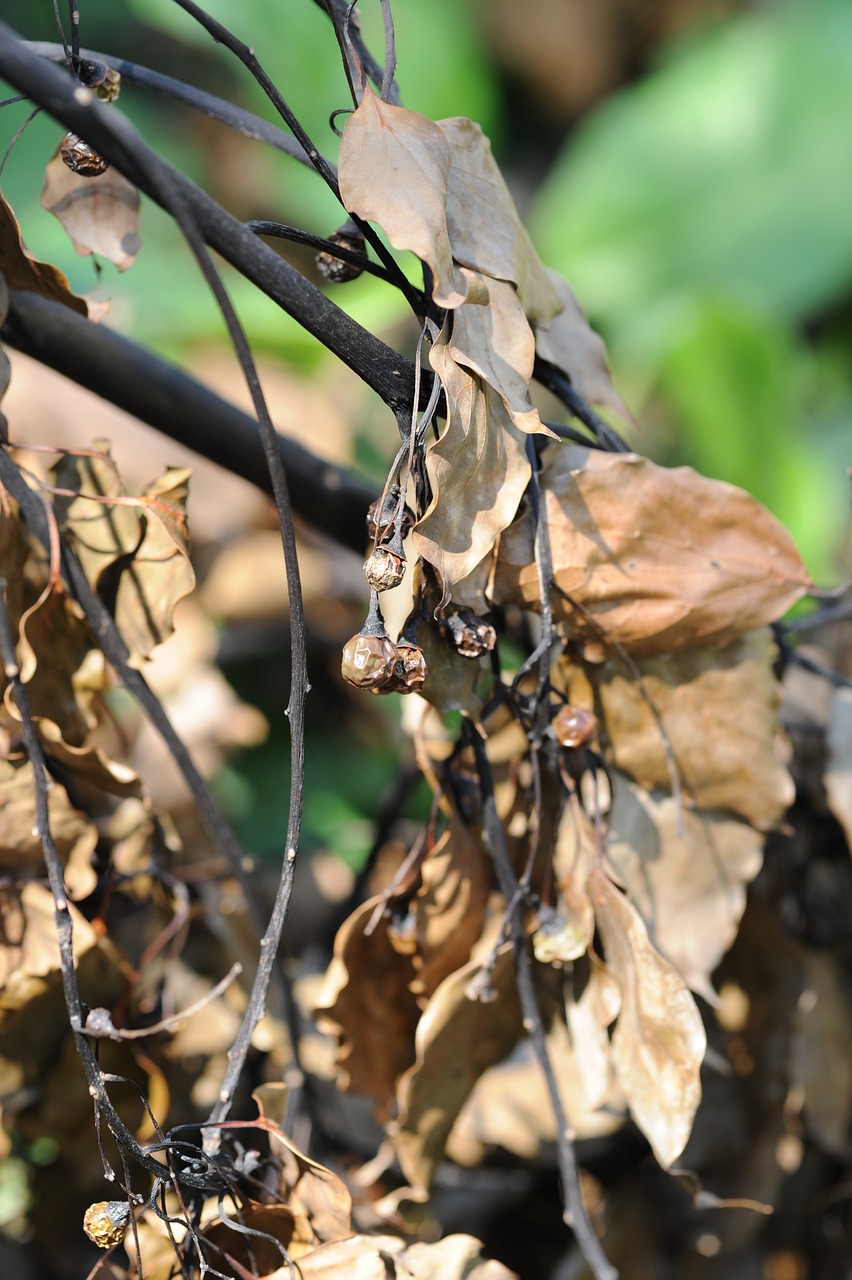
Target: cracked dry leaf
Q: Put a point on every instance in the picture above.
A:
(660, 558)
(570, 343)
(20, 847)
(366, 1000)
(99, 214)
(457, 1039)
(135, 553)
(659, 1043)
(449, 906)
(720, 713)
(24, 272)
(478, 470)
(690, 889)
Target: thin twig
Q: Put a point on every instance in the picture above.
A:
(560, 384)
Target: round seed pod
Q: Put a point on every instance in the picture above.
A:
(470, 636)
(369, 662)
(410, 672)
(380, 524)
(339, 270)
(81, 158)
(574, 727)
(384, 569)
(106, 1222)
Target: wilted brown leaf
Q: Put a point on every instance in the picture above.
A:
(457, 1039)
(658, 1044)
(478, 470)
(29, 951)
(588, 1019)
(821, 1051)
(719, 709)
(366, 999)
(20, 847)
(455, 1257)
(100, 214)
(449, 906)
(690, 889)
(59, 665)
(660, 558)
(23, 271)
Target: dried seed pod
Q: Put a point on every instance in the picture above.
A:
(110, 87)
(106, 1222)
(410, 672)
(339, 270)
(384, 569)
(369, 662)
(380, 527)
(81, 158)
(574, 727)
(470, 636)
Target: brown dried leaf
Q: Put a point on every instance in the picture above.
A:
(100, 214)
(457, 1039)
(24, 272)
(660, 558)
(588, 1019)
(29, 951)
(658, 1044)
(569, 342)
(690, 889)
(20, 847)
(450, 904)
(478, 470)
(367, 1001)
(720, 713)
(456, 1257)
(485, 231)
(821, 1051)
(61, 669)
(393, 170)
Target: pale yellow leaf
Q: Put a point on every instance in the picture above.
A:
(570, 343)
(659, 1042)
(660, 558)
(100, 214)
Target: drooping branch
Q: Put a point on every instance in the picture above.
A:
(164, 397)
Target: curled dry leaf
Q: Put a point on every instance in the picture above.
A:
(62, 671)
(29, 952)
(570, 343)
(457, 1039)
(450, 905)
(24, 272)
(99, 213)
(21, 853)
(690, 888)
(719, 710)
(658, 1044)
(135, 552)
(660, 558)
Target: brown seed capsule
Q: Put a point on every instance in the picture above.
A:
(470, 636)
(574, 727)
(106, 1222)
(369, 662)
(81, 158)
(384, 569)
(380, 528)
(109, 88)
(339, 270)
(410, 672)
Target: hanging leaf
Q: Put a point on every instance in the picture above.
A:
(660, 558)
(100, 214)
(450, 904)
(658, 1044)
(21, 855)
(24, 272)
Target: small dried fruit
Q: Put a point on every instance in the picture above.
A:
(369, 662)
(380, 527)
(106, 1221)
(109, 88)
(410, 672)
(96, 75)
(81, 158)
(470, 636)
(339, 270)
(385, 569)
(574, 727)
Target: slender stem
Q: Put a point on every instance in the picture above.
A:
(558, 382)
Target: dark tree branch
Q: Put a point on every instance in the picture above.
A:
(560, 384)
(389, 374)
(163, 396)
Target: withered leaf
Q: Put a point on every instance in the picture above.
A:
(456, 1257)
(29, 951)
(457, 1039)
(719, 709)
(690, 888)
(449, 906)
(23, 271)
(478, 470)
(658, 1044)
(838, 772)
(588, 1019)
(569, 342)
(100, 214)
(59, 666)
(660, 558)
(20, 847)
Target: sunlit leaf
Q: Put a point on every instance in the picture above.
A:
(22, 271)
(100, 214)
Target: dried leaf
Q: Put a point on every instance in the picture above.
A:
(569, 342)
(20, 847)
(719, 709)
(658, 1044)
(457, 1038)
(59, 666)
(456, 1257)
(393, 170)
(821, 1051)
(29, 951)
(24, 272)
(659, 558)
(838, 772)
(450, 904)
(689, 889)
(100, 214)
(478, 470)
(588, 1019)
